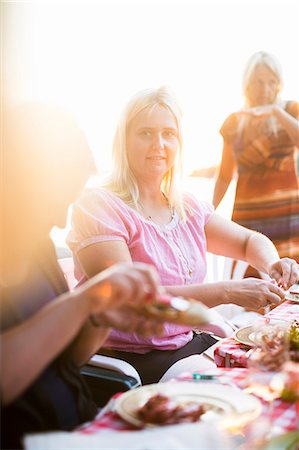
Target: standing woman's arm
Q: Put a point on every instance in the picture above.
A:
(289, 121)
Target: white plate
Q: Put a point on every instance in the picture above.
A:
(220, 400)
(244, 335)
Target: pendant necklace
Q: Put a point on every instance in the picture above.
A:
(149, 217)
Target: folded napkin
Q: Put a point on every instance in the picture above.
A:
(199, 436)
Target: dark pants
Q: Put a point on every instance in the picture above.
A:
(151, 366)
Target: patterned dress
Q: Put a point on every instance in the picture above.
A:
(267, 192)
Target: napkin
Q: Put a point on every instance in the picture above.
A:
(199, 436)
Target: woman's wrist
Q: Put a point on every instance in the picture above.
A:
(226, 291)
(90, 294)
(269, 267)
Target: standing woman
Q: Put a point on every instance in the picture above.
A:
(261, 143)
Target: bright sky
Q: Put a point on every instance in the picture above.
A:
(90, 57)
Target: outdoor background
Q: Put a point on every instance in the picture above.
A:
(91, 56)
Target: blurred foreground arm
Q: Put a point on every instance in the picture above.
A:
(27, 349)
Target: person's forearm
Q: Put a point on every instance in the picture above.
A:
(289, 123)
(87, 343)
(260, 252)
(221, 187)
(211, 294)
(28, 348)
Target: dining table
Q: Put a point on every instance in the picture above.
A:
(279, 420)
(230, 353)
(275, 418)
(283, 414)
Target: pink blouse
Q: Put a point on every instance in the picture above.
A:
(177, 250)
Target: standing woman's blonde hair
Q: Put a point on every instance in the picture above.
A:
(261, 59)
(122, 181)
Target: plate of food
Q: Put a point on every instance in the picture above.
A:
(163, 404)
(278, 340)
(251, 335)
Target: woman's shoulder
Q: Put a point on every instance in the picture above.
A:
(230, 124)
(96, 191)
(196, 205)
(99, 195)
(292, 107)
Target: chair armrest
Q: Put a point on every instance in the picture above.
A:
(115, 364)
(104, 383)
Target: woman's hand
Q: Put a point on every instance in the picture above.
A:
(271, 110)
(285, 272)
(254, 293)
(287, 121)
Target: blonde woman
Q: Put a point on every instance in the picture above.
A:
(142, 215)
(260, 143)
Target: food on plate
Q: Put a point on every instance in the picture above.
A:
(294, 341)
(177, 310)
(290, 391)
(275, 345)
(161, 410)
(272, 348)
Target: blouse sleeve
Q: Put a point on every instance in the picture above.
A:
(292, 108)
(98, 217)
(207, 210)
(201, 210)
(229, 127)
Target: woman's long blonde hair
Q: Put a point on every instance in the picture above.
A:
(121, 180)
(258, 59)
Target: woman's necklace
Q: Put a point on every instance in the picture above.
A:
(149, 216)
(177, 246)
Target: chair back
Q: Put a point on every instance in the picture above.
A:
(236, 269)
(67, 266)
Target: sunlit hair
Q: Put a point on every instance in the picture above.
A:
(121, 180)
(258, 59)
(261, 59)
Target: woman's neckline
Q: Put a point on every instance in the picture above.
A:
(163, 227)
